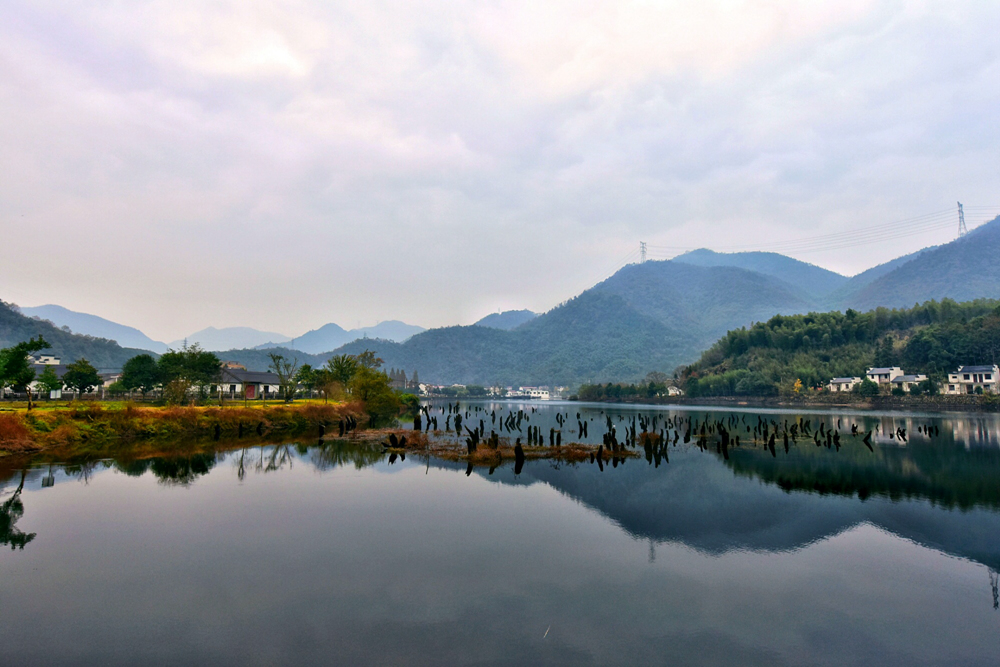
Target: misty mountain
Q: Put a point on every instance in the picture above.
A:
(331, 336)
(811, 279)
(92, 325)
(963, 270)
(849, 290)
(106, 355)
(507, 320)
(230, 338)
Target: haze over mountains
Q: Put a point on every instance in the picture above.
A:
(650, 316)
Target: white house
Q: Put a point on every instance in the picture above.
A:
(535, 392)
(674, 391)
(906, 382)
(843, 384)
(44, 359)
(256, 384)
(968, 378)
(884, 376)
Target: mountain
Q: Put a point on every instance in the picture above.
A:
(650, 316)
(963, 270)
(106, 355)
(230, 338)
(849, 290)
(507, 320)
(331, 336)
(92, 325)
(811, 279)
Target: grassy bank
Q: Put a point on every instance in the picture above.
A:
(107, 428)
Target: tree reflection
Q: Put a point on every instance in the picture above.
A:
(181, 470)
(336, 453)
(11, 511)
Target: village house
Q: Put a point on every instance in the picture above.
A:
(883, 376)
(535, 392)
(906, 382)
(39, 359)
(256, 384)
(967, 379)
(843, 384)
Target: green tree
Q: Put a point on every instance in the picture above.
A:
(308, 377)
(286, 370)
(49, 381)
(373, 388)
(367, 359)
(867, 388)
(191, 366)
(141, 373)
(81, 376)
(15, 371)
(342, 368)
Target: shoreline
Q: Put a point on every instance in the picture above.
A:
(940, 403)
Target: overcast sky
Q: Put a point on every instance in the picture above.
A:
(173, 165)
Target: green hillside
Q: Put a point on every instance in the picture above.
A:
(106, 355)
(814, 280)
(768, 358)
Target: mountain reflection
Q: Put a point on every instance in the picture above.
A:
(931, 480)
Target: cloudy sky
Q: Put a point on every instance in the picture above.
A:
(174, 165)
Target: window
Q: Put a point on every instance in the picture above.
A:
(965, 377)
(989, 376)
(951, 387)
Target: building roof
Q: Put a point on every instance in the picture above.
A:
(249, 377)
(909, 378)
(882, 371)
(842, 380)
(976, 369)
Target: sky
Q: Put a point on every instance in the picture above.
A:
(173, 165)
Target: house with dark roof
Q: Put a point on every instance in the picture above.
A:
(843, 384)
(256, 384)
(972, 380)
(906, 382)
(883, 376)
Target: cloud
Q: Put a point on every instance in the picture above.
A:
(282, 165)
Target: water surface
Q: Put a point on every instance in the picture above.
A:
(318, 554)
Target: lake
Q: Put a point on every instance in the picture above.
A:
(325, 553)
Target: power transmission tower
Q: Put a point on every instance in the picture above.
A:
(962, 230)
(642, 249)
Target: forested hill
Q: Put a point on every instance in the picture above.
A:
(105, 354)
(767, 358)
(815, 281)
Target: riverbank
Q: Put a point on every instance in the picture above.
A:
(97, 428)
(939, 403)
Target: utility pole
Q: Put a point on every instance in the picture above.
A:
(642, 248)
(962, 230)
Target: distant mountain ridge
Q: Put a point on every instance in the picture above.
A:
(507, 320)
(331, 336)
(811, 279)
(106, 355)
(651, 316)
(92, 325)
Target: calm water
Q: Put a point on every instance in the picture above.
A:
(309, 554)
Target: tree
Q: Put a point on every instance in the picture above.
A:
(867, 388)
(308, 377)
(49, 381)
(141, 373)
(15, 371)
(367, 359)
(373, 388)
(342, 368)
(285, 369)
(81, 376)
(191, 366)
